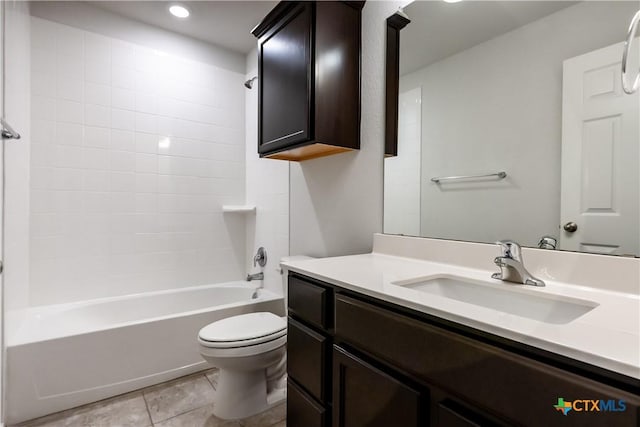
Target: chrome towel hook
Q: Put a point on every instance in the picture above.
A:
(625, 56)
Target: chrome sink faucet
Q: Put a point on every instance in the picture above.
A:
(511, 267)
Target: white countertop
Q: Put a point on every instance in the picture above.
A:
(607, 336)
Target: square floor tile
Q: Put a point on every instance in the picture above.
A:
(177, 397)
(266, 418)
(201, 417)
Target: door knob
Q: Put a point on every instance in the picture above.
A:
(570, 227)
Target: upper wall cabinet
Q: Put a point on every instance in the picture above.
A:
(309, 80)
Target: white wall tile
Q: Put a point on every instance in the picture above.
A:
(97, 115)
(123, 161)
(122, 140)
(41, 178)
(95, 158)
(69, 88)
(43, 84)
(67, 156)
(123, 119)
(97, 137)
(69, 111)
(125, 179)
(68, 134)
(95, 180)
(123, 77)
(69, 41)
(67, 67)
(146, 123)
(97, 71)
(146, 163)
(122, 181)
(146, 143)
(43, 108)
(66, 179)
(123, 98)
(97, 47)
(98, 94)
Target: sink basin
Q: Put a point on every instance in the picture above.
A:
(506, 298)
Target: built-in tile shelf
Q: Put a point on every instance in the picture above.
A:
(239, 209)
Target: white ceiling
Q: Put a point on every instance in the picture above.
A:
(439, 30)
(223, 23)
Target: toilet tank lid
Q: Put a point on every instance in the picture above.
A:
(243, 327)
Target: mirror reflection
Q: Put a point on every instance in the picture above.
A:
(513, 124)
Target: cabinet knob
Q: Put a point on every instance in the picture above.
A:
(570, 227)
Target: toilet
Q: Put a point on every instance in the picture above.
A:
(250, 352)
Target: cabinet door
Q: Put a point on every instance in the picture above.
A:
(365, 396)
(302, 410)
(306, 358)
(285, 71)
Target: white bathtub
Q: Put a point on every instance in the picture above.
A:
(65, 355)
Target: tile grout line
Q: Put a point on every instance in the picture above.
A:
(153, 423)
(146, 405)
(209, 381)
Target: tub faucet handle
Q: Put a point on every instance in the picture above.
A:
(260, 258)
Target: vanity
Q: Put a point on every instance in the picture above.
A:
(503, 119)
(373, 341)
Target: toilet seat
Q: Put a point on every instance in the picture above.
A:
(246, 330)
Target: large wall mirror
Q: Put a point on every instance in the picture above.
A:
(512, 123)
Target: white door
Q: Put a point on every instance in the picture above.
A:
(600, 156)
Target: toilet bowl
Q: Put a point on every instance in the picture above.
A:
(249, 350)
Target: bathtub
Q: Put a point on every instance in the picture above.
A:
(65, 355)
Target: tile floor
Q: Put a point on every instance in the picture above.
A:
(184, 402)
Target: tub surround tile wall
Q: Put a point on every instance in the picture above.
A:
(134, 152)
(184, 402)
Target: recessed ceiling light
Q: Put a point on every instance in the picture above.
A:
(179, 11)
(452, 1)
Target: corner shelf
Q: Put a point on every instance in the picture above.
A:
(239, 209)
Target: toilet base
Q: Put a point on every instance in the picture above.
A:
(241, 394)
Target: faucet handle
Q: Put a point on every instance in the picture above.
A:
(260, 258)
(510, 249)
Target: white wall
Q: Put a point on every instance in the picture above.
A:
(15, 108)
(17, 154)
(336, 201)
(402, 172)
(85, 16)
(504, 115)
(134, 153)
(267, 189)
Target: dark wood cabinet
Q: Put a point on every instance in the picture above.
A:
(308, 355)
(302, 410)
(387, 365)
(364, 396)
(309, 80)
(309, 358)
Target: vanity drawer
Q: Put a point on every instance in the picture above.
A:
(302, 410)
(306, 358)
(310, 301)
(524, 390)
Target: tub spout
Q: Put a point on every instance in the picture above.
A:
(257, 276)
